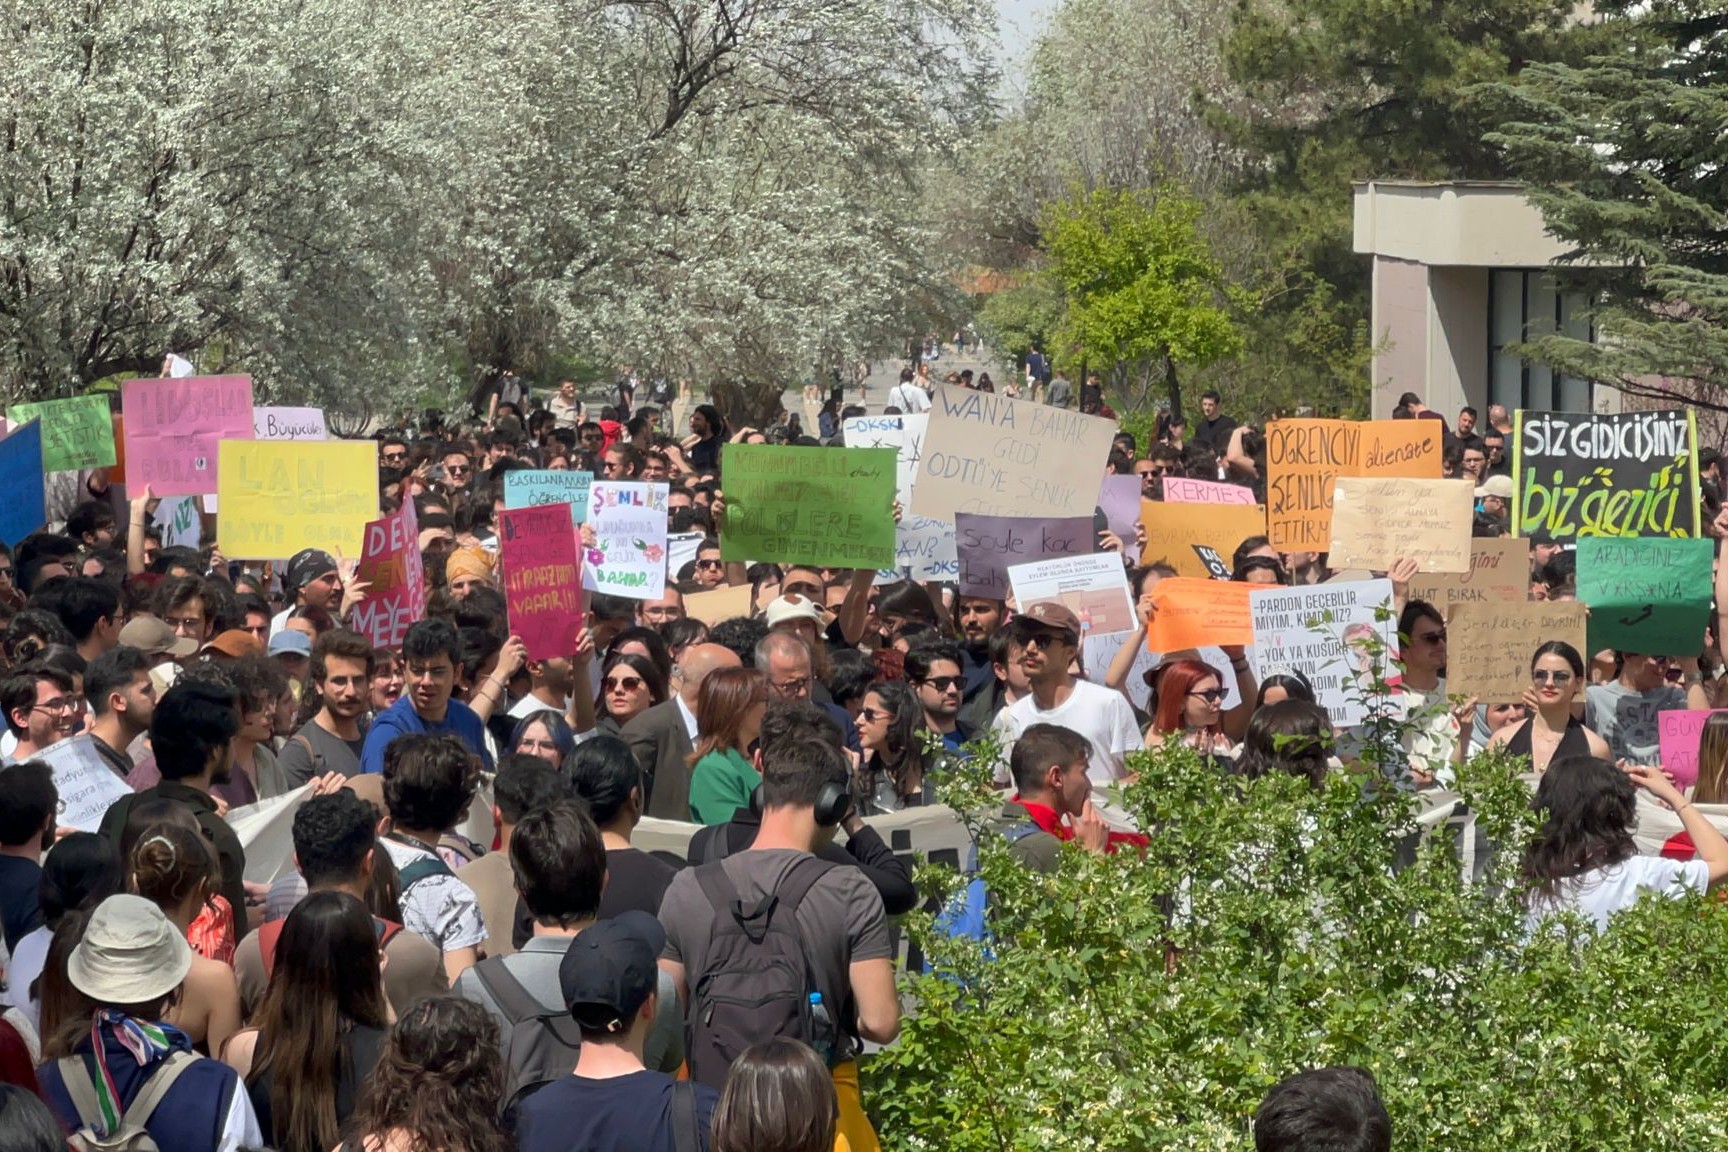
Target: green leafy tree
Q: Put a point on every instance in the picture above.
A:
(1142, 292)
(1016, 319)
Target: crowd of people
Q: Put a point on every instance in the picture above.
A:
(467, 950)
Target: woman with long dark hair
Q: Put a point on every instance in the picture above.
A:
(729, 709)
(1584, 859)
(437, 1086)
(892, 776)
(779, 1097)
(545, 734)
(629, 685)
(1551, 732)
(1290, 736)
(707, 432)
(321, 1027)
(78, 873)
(605, 775)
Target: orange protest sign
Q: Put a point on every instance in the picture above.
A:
(1405, 448)
(1192, 613)
(1174, 531)
(1304, 459)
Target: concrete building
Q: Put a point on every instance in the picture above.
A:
(1459, 274)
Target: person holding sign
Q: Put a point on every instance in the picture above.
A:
(1627, 710)
(1190, 709)
(1552, 732)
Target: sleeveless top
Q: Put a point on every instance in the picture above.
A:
(1573, 742)
(361, 1047)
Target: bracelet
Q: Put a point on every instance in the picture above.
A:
(1239, 666)
(1684, 804)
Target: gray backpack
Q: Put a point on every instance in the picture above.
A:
(129, 1135)
(541, 1043)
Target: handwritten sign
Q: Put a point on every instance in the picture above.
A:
(1679, 733)
(628, 556)
(1576, 475)
(25, 507)
(1174, 530)
(279, 496)
(1330, 633)
(172, 429)
(391, 563)
(179, 521)
(1093, 587)
(1098, 653)
(1646, 594)
(718, 604)
(76, 433)
(542, 578)
(1489, 644)
(1119, 497)
(924, 547)
(87, 786)
(1375, 521)
(988, 545)
(531, 487)
(825, 506)
(1499, 570)
(1184, 490)
(1192, 612)
(289, 424)
(988, 455)
(1305, 458)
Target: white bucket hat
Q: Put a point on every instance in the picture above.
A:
(130, 953)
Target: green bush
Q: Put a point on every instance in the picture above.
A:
(1149, 1001)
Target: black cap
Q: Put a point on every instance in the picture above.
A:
(611, 969)
(306, 566)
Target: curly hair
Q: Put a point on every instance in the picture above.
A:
(438, 1081)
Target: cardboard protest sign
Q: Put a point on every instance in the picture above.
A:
(1646, 594)
(1329, 633)
(1576, 475)
(1499, 570)
(179, 521)
(86, 784)
(1377, 520)
(1679, 732)
(1093, 587)
(718, 604)
(924, 547)
(289, 424)
(76, 432)
(1173, 530)
(531, 487)
(988, 455)
(1192, 612)
(391, 563)
(1489, 644)
(1305, 458)
(989, 544)
(25, 508)
(279, 496)
(1119, 497)
(628, 556)
(173, 427)
(542, 579)
(831, 507)
(1184, 490)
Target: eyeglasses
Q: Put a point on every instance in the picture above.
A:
(395, 455)
(709, 564)
(1543, 676)
(792, 688)
(943, 683)
(1211, 695)
(871, 715)
(185, 625)
(593, 437)
(1045, 639)
(458, 469)
(60, 705)
(622, 683)
(1432, 637)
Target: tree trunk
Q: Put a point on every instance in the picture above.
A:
(1173, 386)
(750, 403)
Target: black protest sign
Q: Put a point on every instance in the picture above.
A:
(1634, 474)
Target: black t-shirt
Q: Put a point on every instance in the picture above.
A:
(634, 880)
(20, 901)
(630, 1113)
(1215, 433)
(361, 1047)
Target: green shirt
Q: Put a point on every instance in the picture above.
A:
(721, 785)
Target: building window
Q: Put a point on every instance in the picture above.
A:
(1523, 305)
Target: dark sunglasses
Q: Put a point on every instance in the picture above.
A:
(628, 683)
(943, 683)
(1433, 637)
(1543, 676)
(1211, 695)
(871, 715)
(709, 564)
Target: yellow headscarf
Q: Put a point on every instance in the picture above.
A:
(468, 562)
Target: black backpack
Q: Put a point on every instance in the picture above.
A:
(755, 983)
(541, 1043)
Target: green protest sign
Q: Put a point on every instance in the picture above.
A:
(76, 433)
(1648, 595)
(832, 507)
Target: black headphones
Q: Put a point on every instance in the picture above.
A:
(832, 803)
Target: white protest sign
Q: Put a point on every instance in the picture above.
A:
(289, 424)
(681, 549)
(628, 556)
(1322, 631)
(177, 519)
(86, 784)
(1098, 652)
(266, 831)
(924, 547)
(1094, 587)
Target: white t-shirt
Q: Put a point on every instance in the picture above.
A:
(1433, 738)
(909, 398)
(1601, 892)
(440, 908)
(1100, 714)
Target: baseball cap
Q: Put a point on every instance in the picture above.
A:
(306, 566)
(611, 969)
(153, 637)
(290, 642)
(235, 642)
(1500, 486)
(1051, 614)
(792, 607)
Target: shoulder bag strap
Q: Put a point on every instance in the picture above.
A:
(686, 1132)
(722, 894)
(82, 1092)
(507, 991)
(144, 1105)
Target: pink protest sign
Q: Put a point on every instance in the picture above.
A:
(390, 562)
(1184, 490)
(1679, 732)
(172, 428)
(542, 578)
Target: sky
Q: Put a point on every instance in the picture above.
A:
(1018, 22)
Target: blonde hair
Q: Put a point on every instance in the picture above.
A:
(1712, 786)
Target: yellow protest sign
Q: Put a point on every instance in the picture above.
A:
(279, 496)
(1176, 532)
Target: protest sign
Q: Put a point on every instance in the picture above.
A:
(1633, 474)
(179, 521)
(1119, 497)
(1646, 594)
(1304, 459)
(924, 547)
(542, 579)
(830, 507)
(391, 563)
(1098, 652)
(289, 424)
(531, 487)
(1173, 530)
(1329, 633)
(1215, 566)
(1499, 570)
(1489, 644)
(681, 549)
(86, 784)
(1679, 733)
(1183, 490)
(988, 455)
(1191, 612)
(25, 508)
(279, 496)
(989, 544)
(76, 433)
(173, 427)
(1094, 587)
(1376, 520)
(718, 604)
(628, 556)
